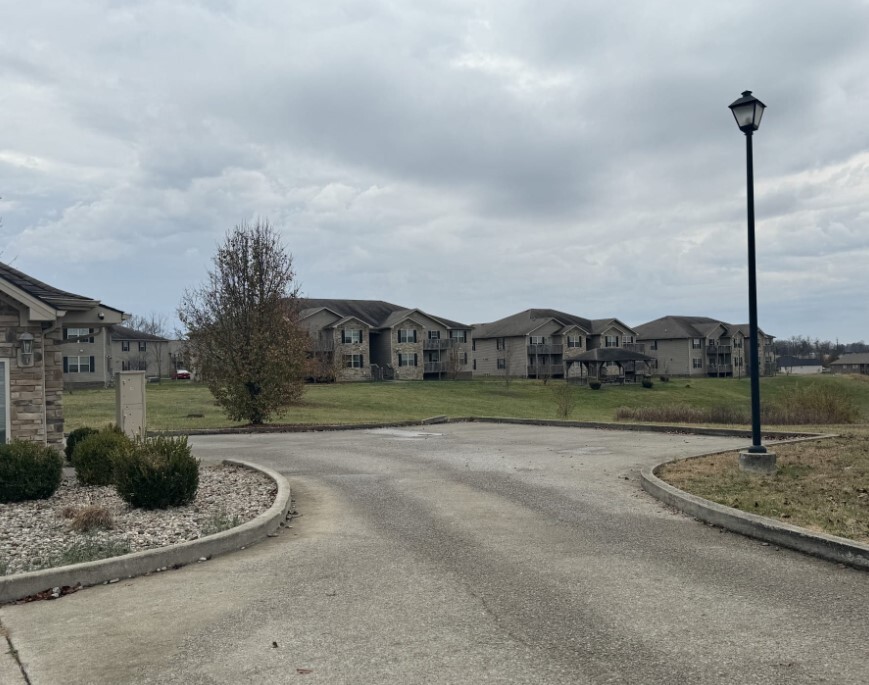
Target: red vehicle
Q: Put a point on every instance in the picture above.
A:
(181, 375)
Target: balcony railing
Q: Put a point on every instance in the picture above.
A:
(435, 367)
(438, 344)
(720, 368)
(545, 349)
(718, 349)
(635, 347)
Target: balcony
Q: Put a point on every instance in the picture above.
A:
(435, 367)
(545, 349)
(717, 349)
(635, 347)
(439, 344)
(715, 369)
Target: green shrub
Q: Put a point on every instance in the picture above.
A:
(94, 457)
(28, 470)
(75, 437)
(594, 385)
(647, 383)
(157, 473)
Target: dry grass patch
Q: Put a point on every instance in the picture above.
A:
(821, 485)
(91, 518)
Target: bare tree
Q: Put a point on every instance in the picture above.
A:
(455, 361)
(242, 325)
(153, 324)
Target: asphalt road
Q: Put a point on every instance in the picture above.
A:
(470, 553)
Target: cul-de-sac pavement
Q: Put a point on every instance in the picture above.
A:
(465, 553)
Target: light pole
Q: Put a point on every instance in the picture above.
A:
(748, 111)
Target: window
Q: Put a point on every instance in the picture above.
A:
(434, 335)
(502, 363)
(474, 345)
(143, 346)
(536, 340)
(125, 345)
(82, 335)
(459, 336)
(407, 359)
(611, 341)
(353, 361)
(574, 341)
(475, 365)
(628, 339)
(696, 344)
(78, 364)
(407, 335)
(351, 335)
(500, 344)
(737, 342)
(134, 365)
(654, 345)
(697, 363)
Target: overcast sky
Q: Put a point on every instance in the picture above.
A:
(468, 158)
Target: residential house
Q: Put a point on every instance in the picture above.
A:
(372, 340)
(702, 346)
(855, 362)
(35, 319)
(798, 366)
(546, 343)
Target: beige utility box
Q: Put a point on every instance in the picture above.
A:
(130, 402)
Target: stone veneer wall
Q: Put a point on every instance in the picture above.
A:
(35, 392)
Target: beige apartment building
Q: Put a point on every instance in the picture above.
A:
(356, 340)
(702, 346)
(547, 343)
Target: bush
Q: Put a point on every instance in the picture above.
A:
(94, 457)
(157, 473)
(647, 383)
(28, 470)
(812, 404)
(75, 437)
(92, 518)
(594, 385)
(664, 379)
(565, 400)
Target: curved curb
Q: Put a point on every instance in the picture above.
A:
(829, 547)
(150, 560)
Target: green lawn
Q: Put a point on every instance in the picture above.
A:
(179, 405)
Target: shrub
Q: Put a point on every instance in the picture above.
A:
(565, 400)
(75, 437)
(664, 379)
(594, 385)
(28, 470)
(157, 473)
(91, 518)
(94, 457)
(647, 383)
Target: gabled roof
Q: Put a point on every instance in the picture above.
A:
(120, 333)
(852, 358)
(525, 322)
(676, 327)
(376, 313)
(56, 298)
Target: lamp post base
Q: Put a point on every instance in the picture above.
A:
(762, 463)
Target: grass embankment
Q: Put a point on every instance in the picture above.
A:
(180, 405)
(819, 485)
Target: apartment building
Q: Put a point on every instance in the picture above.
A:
(547, 343)
(375, 340)
(702, 346)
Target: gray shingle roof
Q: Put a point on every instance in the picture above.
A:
(852, 358)
(123, 333)
(54, 297)
(527, 321)
(675, 327)
(376, 313)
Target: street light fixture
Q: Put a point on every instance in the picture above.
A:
(748, 111)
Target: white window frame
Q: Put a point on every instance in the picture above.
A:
(348, 336)
(434, 335)
(574, 341)
(611, 341)
(143, 346)
(78, 358)
(350, 361)
(459, 336)
(696, 343)
(536, 340)
(406, 335)
(697, 363)
(501, 363)
(125, 345)
(84, 334)
(406, 359)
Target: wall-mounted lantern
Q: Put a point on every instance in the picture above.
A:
(25, 349)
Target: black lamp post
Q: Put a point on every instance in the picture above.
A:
(748, 111)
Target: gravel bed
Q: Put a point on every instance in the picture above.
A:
(37, 534)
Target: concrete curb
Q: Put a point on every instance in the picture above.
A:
(829, 547)
(148, 561)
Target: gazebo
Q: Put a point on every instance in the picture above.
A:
(595, 360)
